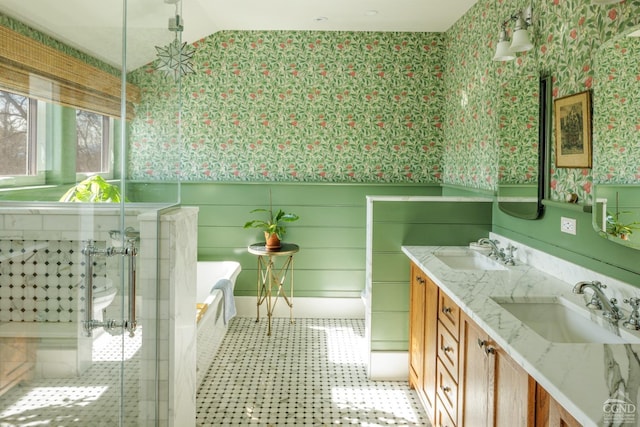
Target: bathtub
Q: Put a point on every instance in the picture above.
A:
(210, 310)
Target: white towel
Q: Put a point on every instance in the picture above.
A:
(226, 287)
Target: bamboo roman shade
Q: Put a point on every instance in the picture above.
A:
(32, 69)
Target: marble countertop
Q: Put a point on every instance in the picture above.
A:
(583, 377)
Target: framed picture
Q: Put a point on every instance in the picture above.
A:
(573, 130)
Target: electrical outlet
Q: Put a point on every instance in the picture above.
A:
(568, 225)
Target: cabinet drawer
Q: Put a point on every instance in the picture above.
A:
(448, 350)
(447, 390)
(442, 418)
(449, 314)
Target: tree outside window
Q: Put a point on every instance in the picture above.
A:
(14, 135)
(92, 153)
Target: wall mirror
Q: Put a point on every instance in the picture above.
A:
(524, 133)
(616, 138)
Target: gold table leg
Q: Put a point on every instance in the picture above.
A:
(269, 277)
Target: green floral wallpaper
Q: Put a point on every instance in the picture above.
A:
(382, 107)
(480, 130)
(297, 106)
(616, 131)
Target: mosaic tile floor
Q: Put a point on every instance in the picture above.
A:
(311, 373)
(90, 400)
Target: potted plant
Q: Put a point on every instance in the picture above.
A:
(619, 229)
(93, 190)
(273, 227)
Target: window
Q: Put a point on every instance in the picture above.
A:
(18, 142)
(30, 144)
(93, 148)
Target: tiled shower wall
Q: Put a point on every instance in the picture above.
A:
(43, 280)
(41, 262)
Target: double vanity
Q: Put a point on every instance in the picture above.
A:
(493, 343)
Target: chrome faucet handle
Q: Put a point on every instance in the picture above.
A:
(595, 302)
(509, 258)
(634, 318)
(633, 302)
(615, 313)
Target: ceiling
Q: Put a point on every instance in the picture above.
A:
(96, 30)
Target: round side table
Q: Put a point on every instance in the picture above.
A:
(271, 276)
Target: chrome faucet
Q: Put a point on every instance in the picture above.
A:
(509, 258)
(496, 252)
(634, 318)
(599, 300)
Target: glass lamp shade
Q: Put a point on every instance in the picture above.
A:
(521, 41)
(503, 52)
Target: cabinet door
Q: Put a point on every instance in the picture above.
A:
(549, 413)
(474, 377)
(430, 342)
(416, 327)
(494, 389)
(513, 392)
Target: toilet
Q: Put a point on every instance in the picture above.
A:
(103, 295)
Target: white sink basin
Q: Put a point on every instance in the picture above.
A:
(467, 259)
(560, 321)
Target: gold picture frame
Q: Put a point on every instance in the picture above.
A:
(573, 130)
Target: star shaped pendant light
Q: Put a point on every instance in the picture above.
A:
(175, 59)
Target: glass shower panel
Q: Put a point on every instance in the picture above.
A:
(78, 279)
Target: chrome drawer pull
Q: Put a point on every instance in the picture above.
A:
(487, 349)
(446, 310)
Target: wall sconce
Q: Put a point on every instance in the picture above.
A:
(505, 50)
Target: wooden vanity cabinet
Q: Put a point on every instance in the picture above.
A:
(422, 337)
(17, 361)
(416, 327)
(462, 377)
(549, 413)
(494, 390)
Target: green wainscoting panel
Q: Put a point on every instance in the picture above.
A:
(400, 223)
(390, 296)
(390, 235)
(586, 248)
(331, 231)
(389, 330)
(41, 193)
(432, 212)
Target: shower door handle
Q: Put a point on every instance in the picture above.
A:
(132, 253)
(89, 323)
(88, 251)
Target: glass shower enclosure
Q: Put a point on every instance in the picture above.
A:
(79, 239)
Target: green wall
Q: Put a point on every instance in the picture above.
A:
(412, 223)
(586, 248)
(330, 232)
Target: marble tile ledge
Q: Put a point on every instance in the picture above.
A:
(581, 377)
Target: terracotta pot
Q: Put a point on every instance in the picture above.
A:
(272, 241)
